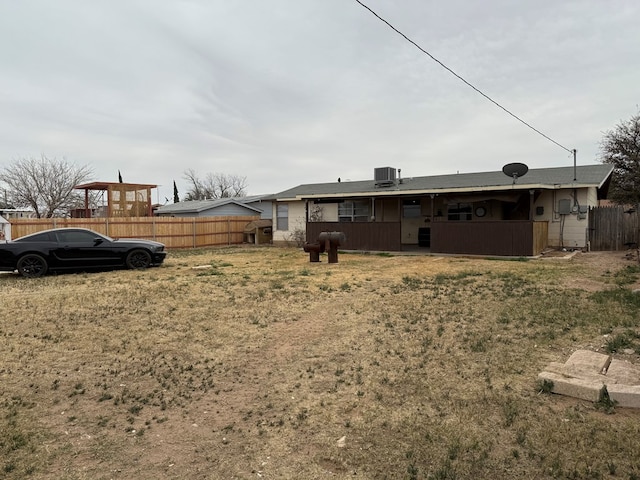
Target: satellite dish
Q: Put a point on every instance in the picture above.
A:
(515, 170)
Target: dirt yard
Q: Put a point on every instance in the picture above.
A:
(259, 364)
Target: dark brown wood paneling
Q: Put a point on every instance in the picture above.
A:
(373, 236)
(502, 238)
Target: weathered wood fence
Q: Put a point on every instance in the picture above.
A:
(613, 228)
(174, 232)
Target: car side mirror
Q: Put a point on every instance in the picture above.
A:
(97, 241)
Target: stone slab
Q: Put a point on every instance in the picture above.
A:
(625, 395)
(588, 362)
(621, 372)
(586, 389)
(585, 373)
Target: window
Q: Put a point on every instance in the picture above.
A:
(38, 237)
(354, 211)
(282, 222)
(74, 236)
(459, 211)
(411, 208)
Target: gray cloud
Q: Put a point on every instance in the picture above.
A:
(291, 92)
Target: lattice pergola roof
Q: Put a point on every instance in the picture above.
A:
(123, 199)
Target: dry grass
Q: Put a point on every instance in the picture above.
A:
(257, 366)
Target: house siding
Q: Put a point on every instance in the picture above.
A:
(297, 221)
(573, 233)
(230, 210)
(510, 237)
(265, 207)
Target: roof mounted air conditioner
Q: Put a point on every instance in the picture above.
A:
(384, 176)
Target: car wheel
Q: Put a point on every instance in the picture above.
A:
(139, 258)
(32, 266)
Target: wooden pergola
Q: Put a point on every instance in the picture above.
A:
(123, 199)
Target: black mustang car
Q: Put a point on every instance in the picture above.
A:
(76, 249)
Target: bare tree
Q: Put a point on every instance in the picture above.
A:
(214, 185)
(44, 184)
(621, 148)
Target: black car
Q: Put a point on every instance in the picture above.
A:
(76, 249)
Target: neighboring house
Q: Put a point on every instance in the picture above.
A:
(233, 206)
(9, 213)
(476, 213)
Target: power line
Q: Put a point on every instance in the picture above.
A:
(462, 79)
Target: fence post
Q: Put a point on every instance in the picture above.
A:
(193, 224)
(228, 231)
(106, 226)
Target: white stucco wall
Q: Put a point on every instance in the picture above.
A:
(297, 221)
(573, 233)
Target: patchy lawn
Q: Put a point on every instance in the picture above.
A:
(263, 365)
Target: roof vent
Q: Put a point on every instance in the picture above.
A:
(384, 176)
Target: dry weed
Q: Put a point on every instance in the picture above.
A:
(263, 365)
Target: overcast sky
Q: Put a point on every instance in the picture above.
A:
(287, 92)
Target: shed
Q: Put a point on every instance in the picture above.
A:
(258, 232)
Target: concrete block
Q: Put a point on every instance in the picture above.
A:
(622, 372)
(586, 361)
(625, 395)
(584, 388)
(555, 367)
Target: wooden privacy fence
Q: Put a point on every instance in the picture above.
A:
(613, 228)
(174, 232)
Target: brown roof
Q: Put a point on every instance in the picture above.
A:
(106, 185)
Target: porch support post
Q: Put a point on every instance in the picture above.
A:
(531, 192)
(373, 209)
(306, 220)
(433, 196)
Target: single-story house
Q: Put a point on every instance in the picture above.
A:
(486, 213)
(10, 213)
(232, 206)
